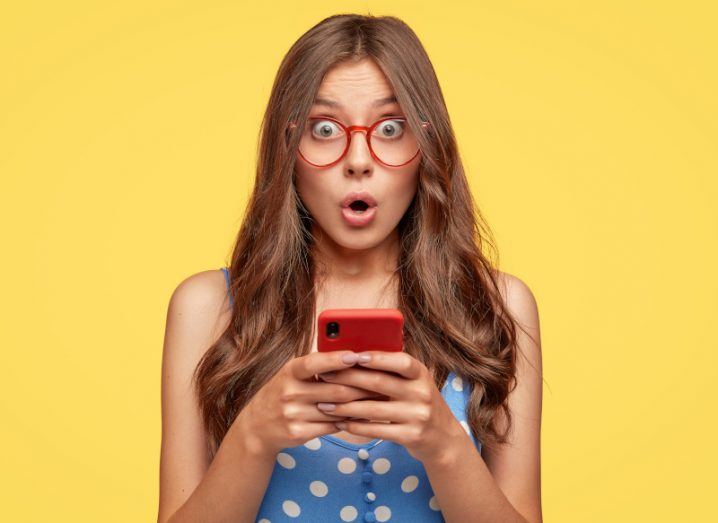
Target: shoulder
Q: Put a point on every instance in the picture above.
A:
(201, 290)
(198, 309)
(518, 298)
(523, 308)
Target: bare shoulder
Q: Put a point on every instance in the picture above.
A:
(516, 467)
(197, 315)
(522, 305)
(198, 312)
(518, 297)
(201, 292)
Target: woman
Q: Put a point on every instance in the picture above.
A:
(374, 216)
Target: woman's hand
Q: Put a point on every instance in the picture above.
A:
(419, 418)
(283, 412)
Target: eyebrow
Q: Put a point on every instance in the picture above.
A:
(377, 103)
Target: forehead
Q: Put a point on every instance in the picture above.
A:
(360, 83)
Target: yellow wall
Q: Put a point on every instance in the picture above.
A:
(127, 140)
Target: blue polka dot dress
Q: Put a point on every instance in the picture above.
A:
(328, 479)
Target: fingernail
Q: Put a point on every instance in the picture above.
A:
(363, 358)
(327, 406)
(328, 375)
(352, 357)
(340, 425)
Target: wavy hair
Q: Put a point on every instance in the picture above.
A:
(455, 318)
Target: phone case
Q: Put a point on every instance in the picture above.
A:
(360, 330)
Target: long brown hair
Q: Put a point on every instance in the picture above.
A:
(448, 291)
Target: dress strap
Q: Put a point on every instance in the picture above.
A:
(225, 270)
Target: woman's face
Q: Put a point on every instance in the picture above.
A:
(354, 89)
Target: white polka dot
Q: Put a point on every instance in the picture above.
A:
(346, 465)
(382, 513)
(466, 427)
(371, 496)
(457, 384)
(291, 508)
(433, 504)
(264, 520)
(381, 465)
(286, 460)
(313, 444)
(348, 513)
(409, 484)
(318, 488)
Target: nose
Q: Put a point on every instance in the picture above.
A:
(359, 158)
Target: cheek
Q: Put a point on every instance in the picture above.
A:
(313, 191)
(306, 185)
(403, 189)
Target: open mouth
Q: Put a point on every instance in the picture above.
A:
(358, 206)
(359, 213)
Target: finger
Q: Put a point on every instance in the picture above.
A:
(375, 381)
(311, 413)
(391, 411)
(400, 362)
(306, 367)
(386, 431)
(362, 393)
(336, 392)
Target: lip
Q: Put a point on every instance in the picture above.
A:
(359, 195)
(358, 220)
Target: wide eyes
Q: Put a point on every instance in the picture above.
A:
(388, 129)
(326, 129)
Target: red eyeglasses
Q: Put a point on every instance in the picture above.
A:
(325, 140)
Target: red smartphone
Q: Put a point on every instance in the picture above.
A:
(360, 330)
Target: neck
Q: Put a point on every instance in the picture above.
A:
(338, 263)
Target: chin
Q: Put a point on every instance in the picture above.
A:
(357, 238)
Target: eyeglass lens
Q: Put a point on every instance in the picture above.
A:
(323, 141)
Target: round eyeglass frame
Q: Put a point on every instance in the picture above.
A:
(348, 130)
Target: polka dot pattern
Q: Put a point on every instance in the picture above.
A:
(433, 504)
(382, 513)
(291, 508)
(286, 460)
(331, 479)
(348, 513)
(347, 465)
(381, 465)
(314, 444)
(409, 484)
(319, 488)
(457, 384)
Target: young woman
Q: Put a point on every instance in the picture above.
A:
(360, 202)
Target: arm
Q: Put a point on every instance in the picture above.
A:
(192, 488)
(503, 485)
(233, 487)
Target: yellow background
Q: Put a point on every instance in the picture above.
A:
(127, 140)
